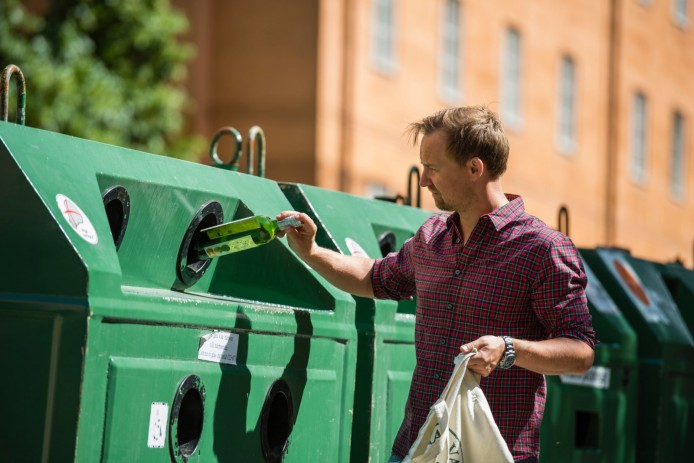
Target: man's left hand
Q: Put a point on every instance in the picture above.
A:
(490, 351)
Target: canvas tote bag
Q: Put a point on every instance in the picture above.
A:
(460, 427)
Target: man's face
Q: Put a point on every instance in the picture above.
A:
(446, 179)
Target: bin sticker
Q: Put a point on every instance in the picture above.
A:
(597, 377)
(219, 347)
(637, 291)
(158, 419)
(77, 219)
(354, 248)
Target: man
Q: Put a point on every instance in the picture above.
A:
(487, 276)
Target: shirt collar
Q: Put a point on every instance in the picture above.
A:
(500, 217)
(507, 213)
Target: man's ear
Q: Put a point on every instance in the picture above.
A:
(475, 167)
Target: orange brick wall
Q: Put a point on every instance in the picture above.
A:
(303, 71)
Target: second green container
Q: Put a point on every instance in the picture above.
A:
(592, 417)
(385, 355)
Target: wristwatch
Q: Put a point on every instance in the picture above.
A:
(509, 357)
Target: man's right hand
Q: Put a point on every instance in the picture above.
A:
(301, 239)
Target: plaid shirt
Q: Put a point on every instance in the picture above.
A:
(516, 277)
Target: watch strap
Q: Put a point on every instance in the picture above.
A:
(509, 357)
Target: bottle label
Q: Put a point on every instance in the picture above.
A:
(240, 244)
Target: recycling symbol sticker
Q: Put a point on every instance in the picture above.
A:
(77, 219)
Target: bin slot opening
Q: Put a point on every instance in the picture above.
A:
(387, 243)
(190, 268)
(190, 422)
(587, 430)
(117, 205)
(187, 416)
(276, 422)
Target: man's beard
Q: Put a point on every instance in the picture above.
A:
(440, 203)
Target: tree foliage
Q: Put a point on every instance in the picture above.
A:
(105, 70)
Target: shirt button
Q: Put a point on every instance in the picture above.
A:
(436, 376)
(457, 272)
(450, 306)
(443, 342)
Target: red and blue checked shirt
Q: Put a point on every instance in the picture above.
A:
(515, 277)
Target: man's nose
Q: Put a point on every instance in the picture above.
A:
(424, 180)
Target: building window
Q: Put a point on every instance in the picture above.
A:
(383, 36)
(566, 124)
(511, 79)
(638, 139)
(680, 12)
(677, 167)
(449, 55)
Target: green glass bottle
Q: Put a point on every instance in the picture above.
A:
(240, 235)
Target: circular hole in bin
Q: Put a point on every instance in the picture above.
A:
(387, 243)
(189, 267)
(276, 422)
(117, 204)
(187, 415)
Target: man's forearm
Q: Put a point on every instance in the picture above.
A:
(349, 273)
(554, 356)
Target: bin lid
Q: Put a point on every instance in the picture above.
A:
(648, 294)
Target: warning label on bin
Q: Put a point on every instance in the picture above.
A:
(354, 248)
(597, 377)
(219, 347)
(77, 219)
(158, 420)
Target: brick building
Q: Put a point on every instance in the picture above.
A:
(597, 97)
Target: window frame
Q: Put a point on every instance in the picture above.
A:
(638, 164)
(678, 156)
(679, 15)
(512, 78)
(450, 53)
(567, 106)
(384, 36)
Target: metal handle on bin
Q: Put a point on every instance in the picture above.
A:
(238, 139)
(7, 74)
(414, 170)
(257, 136)
(563, 220)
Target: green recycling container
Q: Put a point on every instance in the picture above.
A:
(119, 344)
(386, 359)
(680, 282)
(665, 349)
(592, 417)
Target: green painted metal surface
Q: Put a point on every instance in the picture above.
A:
(114, 358)
(666, 354)
(386, 358)
(592, 417)
(680, 282)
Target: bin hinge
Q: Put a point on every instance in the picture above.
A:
(7, 73)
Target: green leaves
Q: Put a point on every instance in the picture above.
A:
(108, 71)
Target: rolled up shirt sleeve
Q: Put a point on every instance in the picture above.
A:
(558, 297)
(392, 277)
